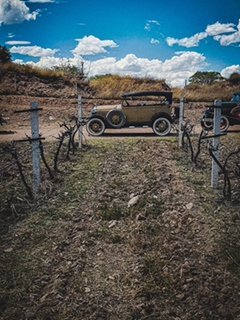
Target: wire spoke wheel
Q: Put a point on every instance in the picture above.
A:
(95, 127)
(116, 118)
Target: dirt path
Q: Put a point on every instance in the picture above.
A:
(56, 111)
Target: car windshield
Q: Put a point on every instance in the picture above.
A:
(146, 98)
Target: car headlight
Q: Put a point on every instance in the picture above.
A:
(94, 110)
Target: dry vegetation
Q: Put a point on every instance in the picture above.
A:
(129, 229)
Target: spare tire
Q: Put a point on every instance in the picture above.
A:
(116, 118)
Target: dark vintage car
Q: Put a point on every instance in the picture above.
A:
(137, 109)
(230, 114)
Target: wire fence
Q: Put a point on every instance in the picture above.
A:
(72, 126)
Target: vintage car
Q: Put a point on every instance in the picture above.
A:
(230, 114)
(137, 109)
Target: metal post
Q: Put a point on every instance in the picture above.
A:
(216, 140)
(35, 147)
(80, 121)
(180, 133)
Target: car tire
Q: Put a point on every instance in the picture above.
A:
(161, 126)
(237, 114)
(207, 125)
(224, 125)
(95, 127)
(116, 118)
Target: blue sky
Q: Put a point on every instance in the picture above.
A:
(161, 39)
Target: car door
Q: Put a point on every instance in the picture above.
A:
(145, 112)
(131, 112)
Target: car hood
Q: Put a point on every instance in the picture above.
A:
(108, 107)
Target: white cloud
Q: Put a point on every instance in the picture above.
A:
(147, 27)
(16, 42)
(226, 72)
(216, 30)
(41, 1)
(187, 42)
(47, 62)
(154, 22)
(33, 51)
(153, 41)
(11, 35)
(150, 24)
(91, 45)
(15, 11)
(226, 40)
(175, 70)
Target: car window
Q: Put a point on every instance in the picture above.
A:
(144, 101)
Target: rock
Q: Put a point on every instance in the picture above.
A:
(189, 205)
(140, 217)
(133, 201)
(112, 224)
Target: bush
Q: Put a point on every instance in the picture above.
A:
(234, 78)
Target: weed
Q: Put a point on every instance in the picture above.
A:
(111, 211)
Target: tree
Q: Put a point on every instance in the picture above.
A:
(234, 78)
(68, 68)
(207, 77)
(5, 55)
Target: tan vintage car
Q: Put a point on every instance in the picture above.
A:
(138, 109)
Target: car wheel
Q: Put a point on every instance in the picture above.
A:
(161, 126)
(95, 127)
(207, 125)
(237, 114)
(224, 124)
(116, 118)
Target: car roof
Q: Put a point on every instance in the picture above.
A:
(167, 94)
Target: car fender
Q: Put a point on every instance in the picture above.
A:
(98, 117)
(161, 115)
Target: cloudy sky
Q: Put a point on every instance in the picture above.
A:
(161, 39)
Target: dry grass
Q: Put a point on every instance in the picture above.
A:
(112, 86)
(107, 86)
(27, 69)
(82, 252)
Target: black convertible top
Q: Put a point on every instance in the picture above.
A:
(166, 94)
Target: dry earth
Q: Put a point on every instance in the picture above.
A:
(139, 243)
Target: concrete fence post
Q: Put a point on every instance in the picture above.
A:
(35, 147)
(80, 121)
(216, 140)
(180, 133)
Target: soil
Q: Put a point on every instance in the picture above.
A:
(145, 241)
